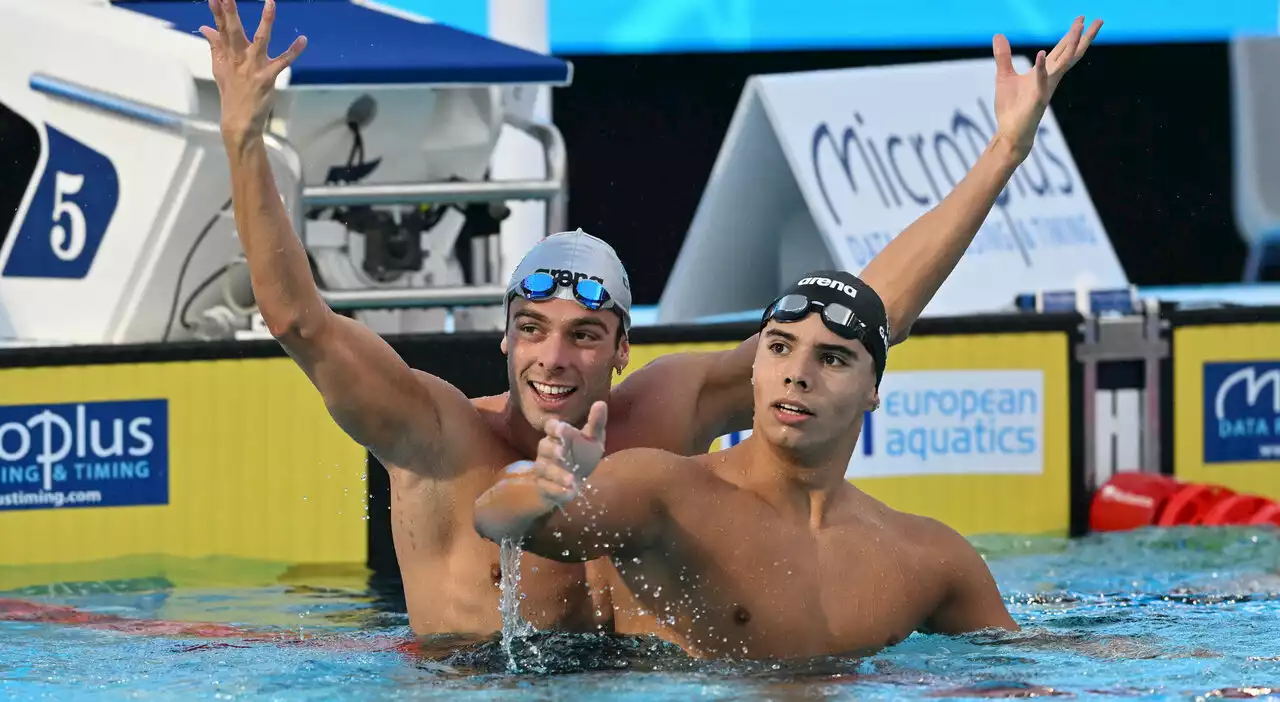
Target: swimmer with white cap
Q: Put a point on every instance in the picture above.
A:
(568, 317)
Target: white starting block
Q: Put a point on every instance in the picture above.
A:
(115, 208)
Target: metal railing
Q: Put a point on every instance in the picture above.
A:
(278, 148)
(553, 190)
(387, 298)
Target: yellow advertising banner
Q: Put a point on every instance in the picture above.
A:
(229, 458)
(1226, 410)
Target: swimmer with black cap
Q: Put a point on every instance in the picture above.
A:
(566, 335)
(762, 550)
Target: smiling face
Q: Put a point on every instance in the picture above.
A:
(812, 388)
(559, 358)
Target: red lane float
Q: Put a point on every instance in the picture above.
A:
(218, 635)
(1135, 500)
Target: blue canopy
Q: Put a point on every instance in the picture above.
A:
(350, 44)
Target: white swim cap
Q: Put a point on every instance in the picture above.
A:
(569, 258)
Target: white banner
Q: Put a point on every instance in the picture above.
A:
(951, 423)
(872, 149)
(954, 422)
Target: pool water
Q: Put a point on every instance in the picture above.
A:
(1181, 614)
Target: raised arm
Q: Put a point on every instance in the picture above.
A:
(715, 388)
(909, 270)
(370, 391)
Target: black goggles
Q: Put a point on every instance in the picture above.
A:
(589, 293)
(838, 318)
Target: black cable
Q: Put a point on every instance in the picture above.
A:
(186, 263)
(357, 146)
(204, 284)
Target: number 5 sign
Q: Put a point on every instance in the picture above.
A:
(64, 225)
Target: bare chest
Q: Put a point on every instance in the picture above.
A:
(745, 584)
(452, 577)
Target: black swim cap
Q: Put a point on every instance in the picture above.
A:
(849, 307)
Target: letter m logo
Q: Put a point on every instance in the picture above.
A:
(1254, 384)
(1241, 407)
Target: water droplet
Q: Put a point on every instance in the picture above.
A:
(564, 552)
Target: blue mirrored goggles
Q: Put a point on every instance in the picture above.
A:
(589, 293)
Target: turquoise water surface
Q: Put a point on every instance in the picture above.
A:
(1176, 614)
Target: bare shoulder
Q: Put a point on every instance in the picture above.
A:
(647, 463)
(489, 404)
(939, 547)
(654, 406)
(674, 401)
(941, 540)
(663, 377)
(957, 563)
(460, 433)
(644, 474)
(969, 599)
(451, 403)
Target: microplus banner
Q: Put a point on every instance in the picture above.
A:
(873, 149)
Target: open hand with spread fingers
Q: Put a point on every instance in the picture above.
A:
(1021, 100)
(245, 75)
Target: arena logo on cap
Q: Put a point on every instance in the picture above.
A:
(567, 277)
(830, 283)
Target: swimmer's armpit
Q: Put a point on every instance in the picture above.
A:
(620, 509)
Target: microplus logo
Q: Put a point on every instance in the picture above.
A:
(871, 176)
(1242, 411)
(86, 454)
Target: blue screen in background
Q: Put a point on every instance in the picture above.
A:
(654, 26)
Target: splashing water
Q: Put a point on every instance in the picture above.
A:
(515, 630)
